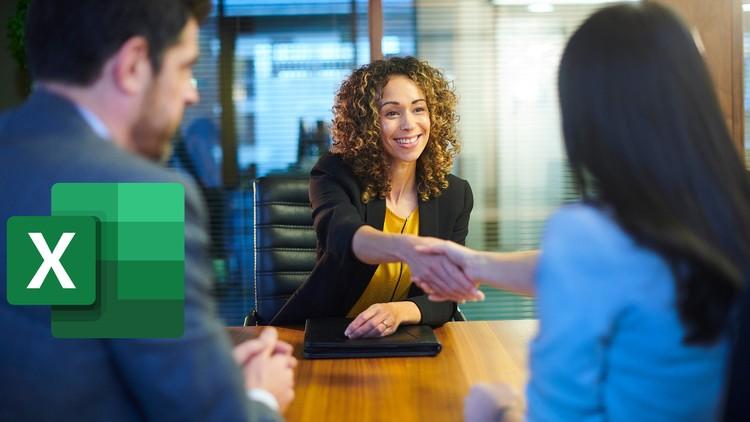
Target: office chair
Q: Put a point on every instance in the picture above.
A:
(284, 243)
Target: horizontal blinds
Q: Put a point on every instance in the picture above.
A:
(503, 60)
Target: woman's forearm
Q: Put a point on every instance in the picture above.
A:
(372, 246)
(513, 271)
(450, 278)
(408, 312)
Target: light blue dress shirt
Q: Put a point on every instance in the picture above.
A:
(96, 124)
(610, 343)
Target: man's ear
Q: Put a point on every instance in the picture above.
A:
(131, 67)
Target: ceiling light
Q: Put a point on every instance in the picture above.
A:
(553, 2)
(540, 7)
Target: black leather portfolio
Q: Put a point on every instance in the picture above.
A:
(324, 338)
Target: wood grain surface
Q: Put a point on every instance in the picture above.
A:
(407, 389)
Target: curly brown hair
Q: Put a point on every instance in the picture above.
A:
(356, 126)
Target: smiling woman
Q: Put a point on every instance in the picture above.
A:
(360, 121)
(404, 122)
(382, 190)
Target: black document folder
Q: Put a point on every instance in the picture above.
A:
(324, 338)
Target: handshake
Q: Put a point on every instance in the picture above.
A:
(445, 270)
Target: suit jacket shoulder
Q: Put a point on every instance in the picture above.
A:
(47, 141)
(334, 165)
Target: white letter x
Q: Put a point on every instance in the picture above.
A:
(51, 261)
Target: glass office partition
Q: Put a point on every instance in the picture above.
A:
(503, 56)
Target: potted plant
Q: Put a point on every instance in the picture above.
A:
(17, 45)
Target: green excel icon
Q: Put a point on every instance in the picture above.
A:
(141, 253)
(51, 260)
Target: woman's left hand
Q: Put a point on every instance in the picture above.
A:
(493, 402)
(379, 320)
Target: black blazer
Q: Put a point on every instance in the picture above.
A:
(339, 278)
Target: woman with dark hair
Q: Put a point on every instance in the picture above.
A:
(635, 285)
(385, 183)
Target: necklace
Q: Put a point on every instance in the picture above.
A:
(400, 264)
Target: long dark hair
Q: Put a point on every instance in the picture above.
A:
(644, 132)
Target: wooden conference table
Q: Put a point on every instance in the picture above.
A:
(412, 388)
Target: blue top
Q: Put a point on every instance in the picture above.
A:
(610, 343)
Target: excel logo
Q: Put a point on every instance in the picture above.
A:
(52, 260)
(110, 260)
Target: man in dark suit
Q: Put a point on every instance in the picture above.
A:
(112, 79)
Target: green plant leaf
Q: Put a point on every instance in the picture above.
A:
(16, 33)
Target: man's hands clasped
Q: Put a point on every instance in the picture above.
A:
(267, 363)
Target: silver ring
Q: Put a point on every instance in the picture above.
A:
(384, 323)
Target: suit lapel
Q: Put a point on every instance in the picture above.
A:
(375, 217)
(375, 211)
(428, 218)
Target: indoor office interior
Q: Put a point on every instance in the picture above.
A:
(267, 76)
(269, 69)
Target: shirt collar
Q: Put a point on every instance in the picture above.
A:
(94, 122)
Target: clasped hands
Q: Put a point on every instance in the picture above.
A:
(267, 363)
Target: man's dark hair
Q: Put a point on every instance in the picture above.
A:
(70, 40)
(643, 128)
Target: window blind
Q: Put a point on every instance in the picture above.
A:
(503, 58)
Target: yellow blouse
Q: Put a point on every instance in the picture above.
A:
(391, 281)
